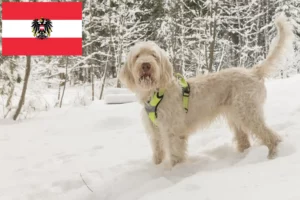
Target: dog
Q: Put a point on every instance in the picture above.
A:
(237, 94)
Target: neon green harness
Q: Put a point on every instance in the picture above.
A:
(151, 106)
(185, 92)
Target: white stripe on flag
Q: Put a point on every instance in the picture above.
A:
(60, 29)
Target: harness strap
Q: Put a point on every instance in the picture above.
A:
(151, 106)
(185, 91)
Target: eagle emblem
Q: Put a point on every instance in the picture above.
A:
(41, 28)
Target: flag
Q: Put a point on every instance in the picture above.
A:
(42, 28)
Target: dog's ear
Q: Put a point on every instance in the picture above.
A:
(166, 69)
(126, 77)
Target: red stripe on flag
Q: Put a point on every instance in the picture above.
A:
(34, 46)
(49, 10)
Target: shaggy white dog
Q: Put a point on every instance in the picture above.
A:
(238, 94)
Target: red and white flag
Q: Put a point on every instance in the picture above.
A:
(43, 28)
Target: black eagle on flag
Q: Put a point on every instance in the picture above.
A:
(41, 28)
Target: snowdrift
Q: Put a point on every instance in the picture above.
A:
(118, 96)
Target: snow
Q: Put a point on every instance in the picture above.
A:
(45, 157)
(118, 95)
(119, 98)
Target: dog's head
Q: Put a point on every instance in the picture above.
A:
(147, 67)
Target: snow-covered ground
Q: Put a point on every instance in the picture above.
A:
(48, 157)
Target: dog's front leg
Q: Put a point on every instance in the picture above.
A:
(156, 140)
(157, 146)
(177, 148)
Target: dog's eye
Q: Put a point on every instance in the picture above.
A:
(137, 56)
(154, 55)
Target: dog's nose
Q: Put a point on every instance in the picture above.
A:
(146, 67)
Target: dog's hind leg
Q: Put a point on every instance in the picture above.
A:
(252, 119)
(266, 135)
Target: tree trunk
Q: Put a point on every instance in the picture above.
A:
(182, 39)
(65, 83)
(12, 83)
(111, 43)
(267, 29)
(239, 54)
(199, 48)
(221, 60)
(205, 48)
(12, 89)
(26, 78)
(120, 38)
(199, 54)
(213, 29)
(71, 77)
(87, 75)
(11, 93)
(58, 96)
(93, 85)
(257, 34)
(104, 76)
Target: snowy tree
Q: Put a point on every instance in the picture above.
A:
(291, 9)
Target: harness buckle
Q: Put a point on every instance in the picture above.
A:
(186, 91)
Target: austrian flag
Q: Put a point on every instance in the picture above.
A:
(43, 28)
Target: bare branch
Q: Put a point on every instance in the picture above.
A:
(86, 184)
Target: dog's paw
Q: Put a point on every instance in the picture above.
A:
(167, 166)
(158, 157)
(273, 153)
(273, 150)
(175, 160)
(156, 160)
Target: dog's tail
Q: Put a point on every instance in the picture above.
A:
(276, 55)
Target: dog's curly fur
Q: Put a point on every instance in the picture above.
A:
(237, 93)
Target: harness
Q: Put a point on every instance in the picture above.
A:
(152, 104)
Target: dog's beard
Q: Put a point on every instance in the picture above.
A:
(146, 81)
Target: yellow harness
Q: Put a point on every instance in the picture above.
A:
(152, 104)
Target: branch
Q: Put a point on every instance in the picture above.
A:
(87, 58)
(85, 183)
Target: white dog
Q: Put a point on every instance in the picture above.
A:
(238, 94)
